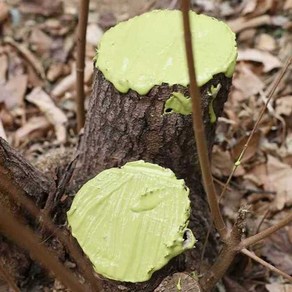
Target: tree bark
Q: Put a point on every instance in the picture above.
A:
(126, 127)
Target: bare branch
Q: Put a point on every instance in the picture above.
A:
(9, 188)
(199, 127)
(267, 232)
(25, 237)
(266, 264)
(270, 95)
(81, 44)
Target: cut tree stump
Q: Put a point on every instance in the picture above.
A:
(127, 124)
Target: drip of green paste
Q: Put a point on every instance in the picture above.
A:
(131, 221)
(178, 103)
(148, 50)
(213, 94)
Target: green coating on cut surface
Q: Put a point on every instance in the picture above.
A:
(178, 103)
(148, 50)
(131, 221)
(213, 94)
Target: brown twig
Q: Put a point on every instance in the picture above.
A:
(267, 232)
(81, 44)
(198, 127)
(266, 264)
(270, 95)
(6, 277)
(25, 238)
(9, 188)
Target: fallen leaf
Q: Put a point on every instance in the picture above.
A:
(284, 106)
(265, 42)
(4, 11)
(93, 34)
(247, 82)
(54, 115)
(269, 61)
(28, 55)
(34, 127)
(222, 163)
(56, 70)
(279, 180)
(69, 82)
(2, 131)
(241, 23)
(3, 68)
(13, 91)
(278, 287)
(288, 5)
(251, 150)
(278, 249)
(40, 41)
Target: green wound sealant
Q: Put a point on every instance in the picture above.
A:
(131, 221)
(178, 103)
(148, 50)
(213, 94)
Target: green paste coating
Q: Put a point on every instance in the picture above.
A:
(148, 50)
(213, 94)
(131, 221)
(178, 103)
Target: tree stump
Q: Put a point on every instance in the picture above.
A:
(127, 123)
(133, 117)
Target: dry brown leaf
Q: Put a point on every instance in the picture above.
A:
(54, 115)
(33, 128)
(249, 7)
(278, 249)
(93, 34)
(28, 55)
(279, 180)
(269, 61)
(265, 42)
(40, 41)
(3, 68)
(2, 131)
(69, 82)
(288, 5)
(56, 70)
(247, 82)
(4, 11)
(222, 163)
(284, 106)
(251, 150)
(278, 287)
(13, 91)
(241, 23)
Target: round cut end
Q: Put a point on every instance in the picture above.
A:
(131, 221)
(148, 50)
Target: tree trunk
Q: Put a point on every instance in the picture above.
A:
(126, 127)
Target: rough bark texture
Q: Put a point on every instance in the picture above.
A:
(17, 172)
(128, 127)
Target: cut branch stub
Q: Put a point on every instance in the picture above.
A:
(141, 76)
(131, 221)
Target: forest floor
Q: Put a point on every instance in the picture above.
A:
(38, 117)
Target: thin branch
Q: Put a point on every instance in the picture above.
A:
(6, 277)
(270, 95)
(199, 127)
(81, 44)
(11, 189)
(266, 264)
(25, 238)
(267, 232)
